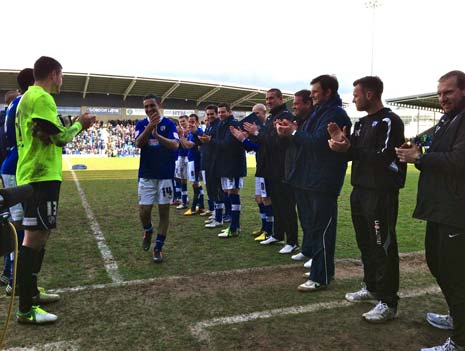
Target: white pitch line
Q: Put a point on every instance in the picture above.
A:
(209, 274)
(53, 346)
(110, 264)
(170, 278)
(199, 330)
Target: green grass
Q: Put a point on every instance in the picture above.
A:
(158, 316)
(190, 247)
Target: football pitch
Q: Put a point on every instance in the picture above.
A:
(209, 293)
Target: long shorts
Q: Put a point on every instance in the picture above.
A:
(40, 210)
(232, 183)
(192, 174)
(155, 191)
(180, 170)
(16, 211)
(261, 187)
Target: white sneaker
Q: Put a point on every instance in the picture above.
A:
(441, 321)
(206, 213)
(306, 275)
(449, 345)
(269, 241)
(380, 313)
(214, 224)
(287, 249)
(209, 220)
(363, 295)
(308, 264)
(299, 257)
(181, 207)
(36, 316)
(311, 286)
(228, 234)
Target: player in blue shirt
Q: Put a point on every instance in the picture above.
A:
(156, 136)
(181, 163)
(229, 164)
(193, 167)
(25, 79)
(176, 182)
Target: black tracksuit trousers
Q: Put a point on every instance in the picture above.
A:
(318, 218)
(374, 216)
(445, 255)
(284, 211)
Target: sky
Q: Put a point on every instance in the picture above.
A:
(254, 43)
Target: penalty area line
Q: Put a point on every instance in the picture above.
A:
(110, 264)
(200, 332)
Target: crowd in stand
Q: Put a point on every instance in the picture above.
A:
(111, 139)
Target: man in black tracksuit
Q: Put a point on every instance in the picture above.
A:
(316, 174)
(211, 114)
(213, 182)
(377, 176)
(270, 165)
(441, 202)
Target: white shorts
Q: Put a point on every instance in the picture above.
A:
(155, 191)
(232, 183)
(180, 171)
(192, 175)
(16, 211)
(260, 187)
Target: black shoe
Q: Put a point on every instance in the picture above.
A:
(157, 256)
(147, 241)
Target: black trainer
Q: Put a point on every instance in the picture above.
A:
(147, 241)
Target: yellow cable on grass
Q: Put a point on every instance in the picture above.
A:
(13, 293)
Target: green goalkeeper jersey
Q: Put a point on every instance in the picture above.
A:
(39, 160)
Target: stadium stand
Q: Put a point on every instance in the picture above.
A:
(111, 139)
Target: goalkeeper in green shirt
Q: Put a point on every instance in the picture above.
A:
(40, 136)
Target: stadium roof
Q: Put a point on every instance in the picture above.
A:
(427, 102)
(196, 95)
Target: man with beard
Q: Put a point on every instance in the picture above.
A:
(440, 201)
(377, 175)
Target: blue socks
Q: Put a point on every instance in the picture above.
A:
(159, 242)
(201, 201)
(269, 219)
(148, 229)
(219, 211)
(235, 211)
(227, 204)
(177, 190)
(184, 197)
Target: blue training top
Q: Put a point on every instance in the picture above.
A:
(194, 153)
(156, 160)
(11, 159)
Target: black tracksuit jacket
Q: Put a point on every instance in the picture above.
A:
(374, 162)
